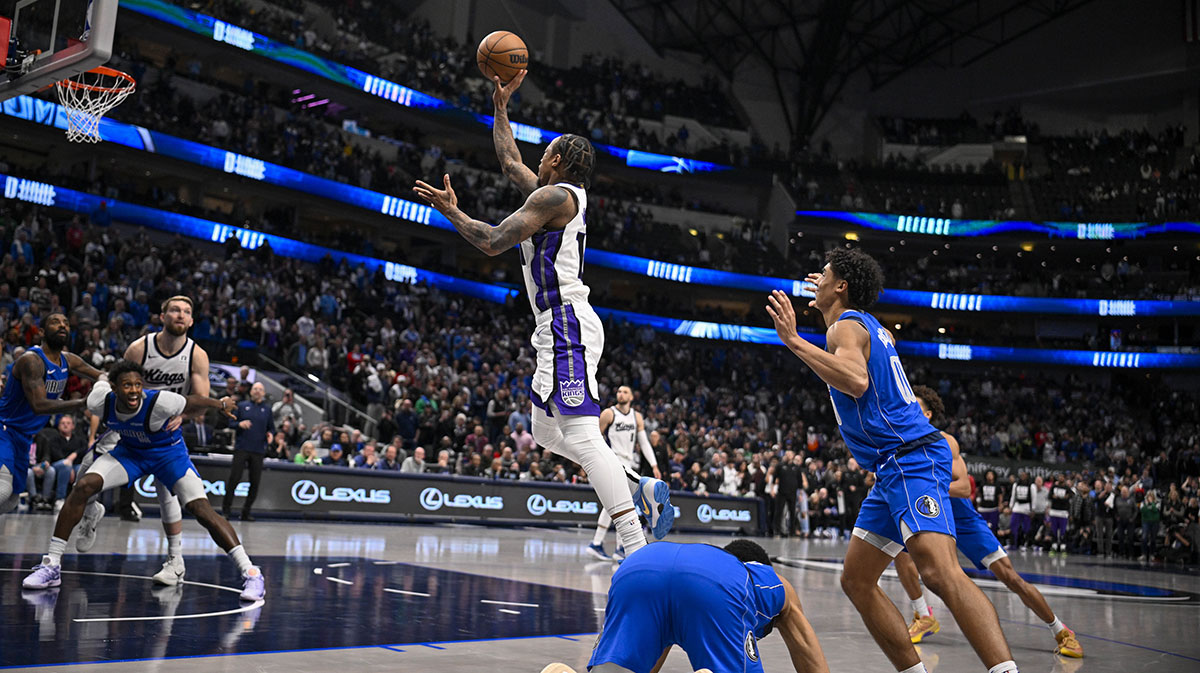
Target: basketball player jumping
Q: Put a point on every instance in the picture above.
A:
(882, 425)
(172, 361)
(978, 543)
(568, 336)
(622, 427)
(32, 394)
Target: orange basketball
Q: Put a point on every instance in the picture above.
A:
(502, 54)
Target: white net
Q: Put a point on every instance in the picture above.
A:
(88, 96)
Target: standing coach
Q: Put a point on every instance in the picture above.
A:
(255, 427)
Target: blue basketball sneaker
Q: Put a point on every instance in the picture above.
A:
(597, 551)
(44, 576)
(654, 502)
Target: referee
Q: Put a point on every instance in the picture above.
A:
(255, 427)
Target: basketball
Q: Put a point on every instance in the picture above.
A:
(502, 54)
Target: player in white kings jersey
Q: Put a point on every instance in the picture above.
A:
(623, 428)
(569, 336)
(172, 361)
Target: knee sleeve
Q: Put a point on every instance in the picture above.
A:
(8, 499)
(168, 504)
(189, 487)
(582, 443)
(111, 471)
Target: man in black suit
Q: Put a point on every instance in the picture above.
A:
(197, 433)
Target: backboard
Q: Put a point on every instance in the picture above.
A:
(52, 40)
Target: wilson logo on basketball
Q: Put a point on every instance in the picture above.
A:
(518, 59)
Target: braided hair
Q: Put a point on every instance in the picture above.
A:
(579, 158)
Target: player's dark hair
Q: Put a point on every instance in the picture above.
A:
(861, 273)
(933, 402)
(579, 158)
(747, 550)
(122, 368)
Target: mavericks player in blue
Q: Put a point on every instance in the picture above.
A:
(714, 603)
(882, 424)
(146, 446)
(977, 542)
(32, 394)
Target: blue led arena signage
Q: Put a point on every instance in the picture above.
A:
(137, 137)
(79, 202)
(940, 226)
(248, 40)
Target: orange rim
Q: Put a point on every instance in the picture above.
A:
(102, 70)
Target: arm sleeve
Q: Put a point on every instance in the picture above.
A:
(644, 445)
(95, 400)
(169, 404)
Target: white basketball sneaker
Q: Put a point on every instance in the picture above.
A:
(171, 573)
(86, 530)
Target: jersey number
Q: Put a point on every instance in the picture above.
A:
(906, 391)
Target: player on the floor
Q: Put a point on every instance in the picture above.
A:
(172, 361)
(31, 396)
(977, 542)
(146, 446)
(883, 427)
(623, 427)
(714, 603)
(568, 336)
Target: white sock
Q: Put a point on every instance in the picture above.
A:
(239, 556)
(58, 547)
(629, 532)
(919, 668)
(1009, 666)
(920, 607)
(175, 544)
(602, 528)
(1056, 626)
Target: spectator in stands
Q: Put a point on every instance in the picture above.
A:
(198, 433)
(307, 455)
(367, 458)
(390, 461)
(255, 431)
(442, 466)
(474, 466)
(414, 463)
(1128, 517)
(521, 438)
(337, 457)
(1104, 504)
(1151, 516)
(287, 408)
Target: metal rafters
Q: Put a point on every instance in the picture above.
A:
(821, 44)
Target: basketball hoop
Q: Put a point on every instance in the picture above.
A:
(88, 96)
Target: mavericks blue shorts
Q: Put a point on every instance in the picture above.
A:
(700, 602)
(911, 491)
(975, 539)
(14, 454)
(167, 465)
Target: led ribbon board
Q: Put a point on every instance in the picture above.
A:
(49, 195)
(248, 40)
(137, 137)
(941, 226)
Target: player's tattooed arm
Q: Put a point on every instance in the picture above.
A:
(546, 206)
(502, 137)
(31, 372)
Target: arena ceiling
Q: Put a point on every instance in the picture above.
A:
(812, 48)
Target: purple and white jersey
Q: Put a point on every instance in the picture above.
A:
(552, 261)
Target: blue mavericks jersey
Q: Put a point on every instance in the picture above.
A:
(888, 415)
(135, 431)
(15, 412)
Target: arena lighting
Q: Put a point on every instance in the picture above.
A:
(79, 202)
(137, 137)
(264, 46)
(942, 226)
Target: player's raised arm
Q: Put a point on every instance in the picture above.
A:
(843, 366)
(77, 366)
(547, 207)
(798, 635)
(502, 136)
(31, 372)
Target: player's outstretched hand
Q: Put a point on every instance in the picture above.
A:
(442, 200)
(174, 423)
(503, 91)
(812, 279)
(779, 306)
(229, 407)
